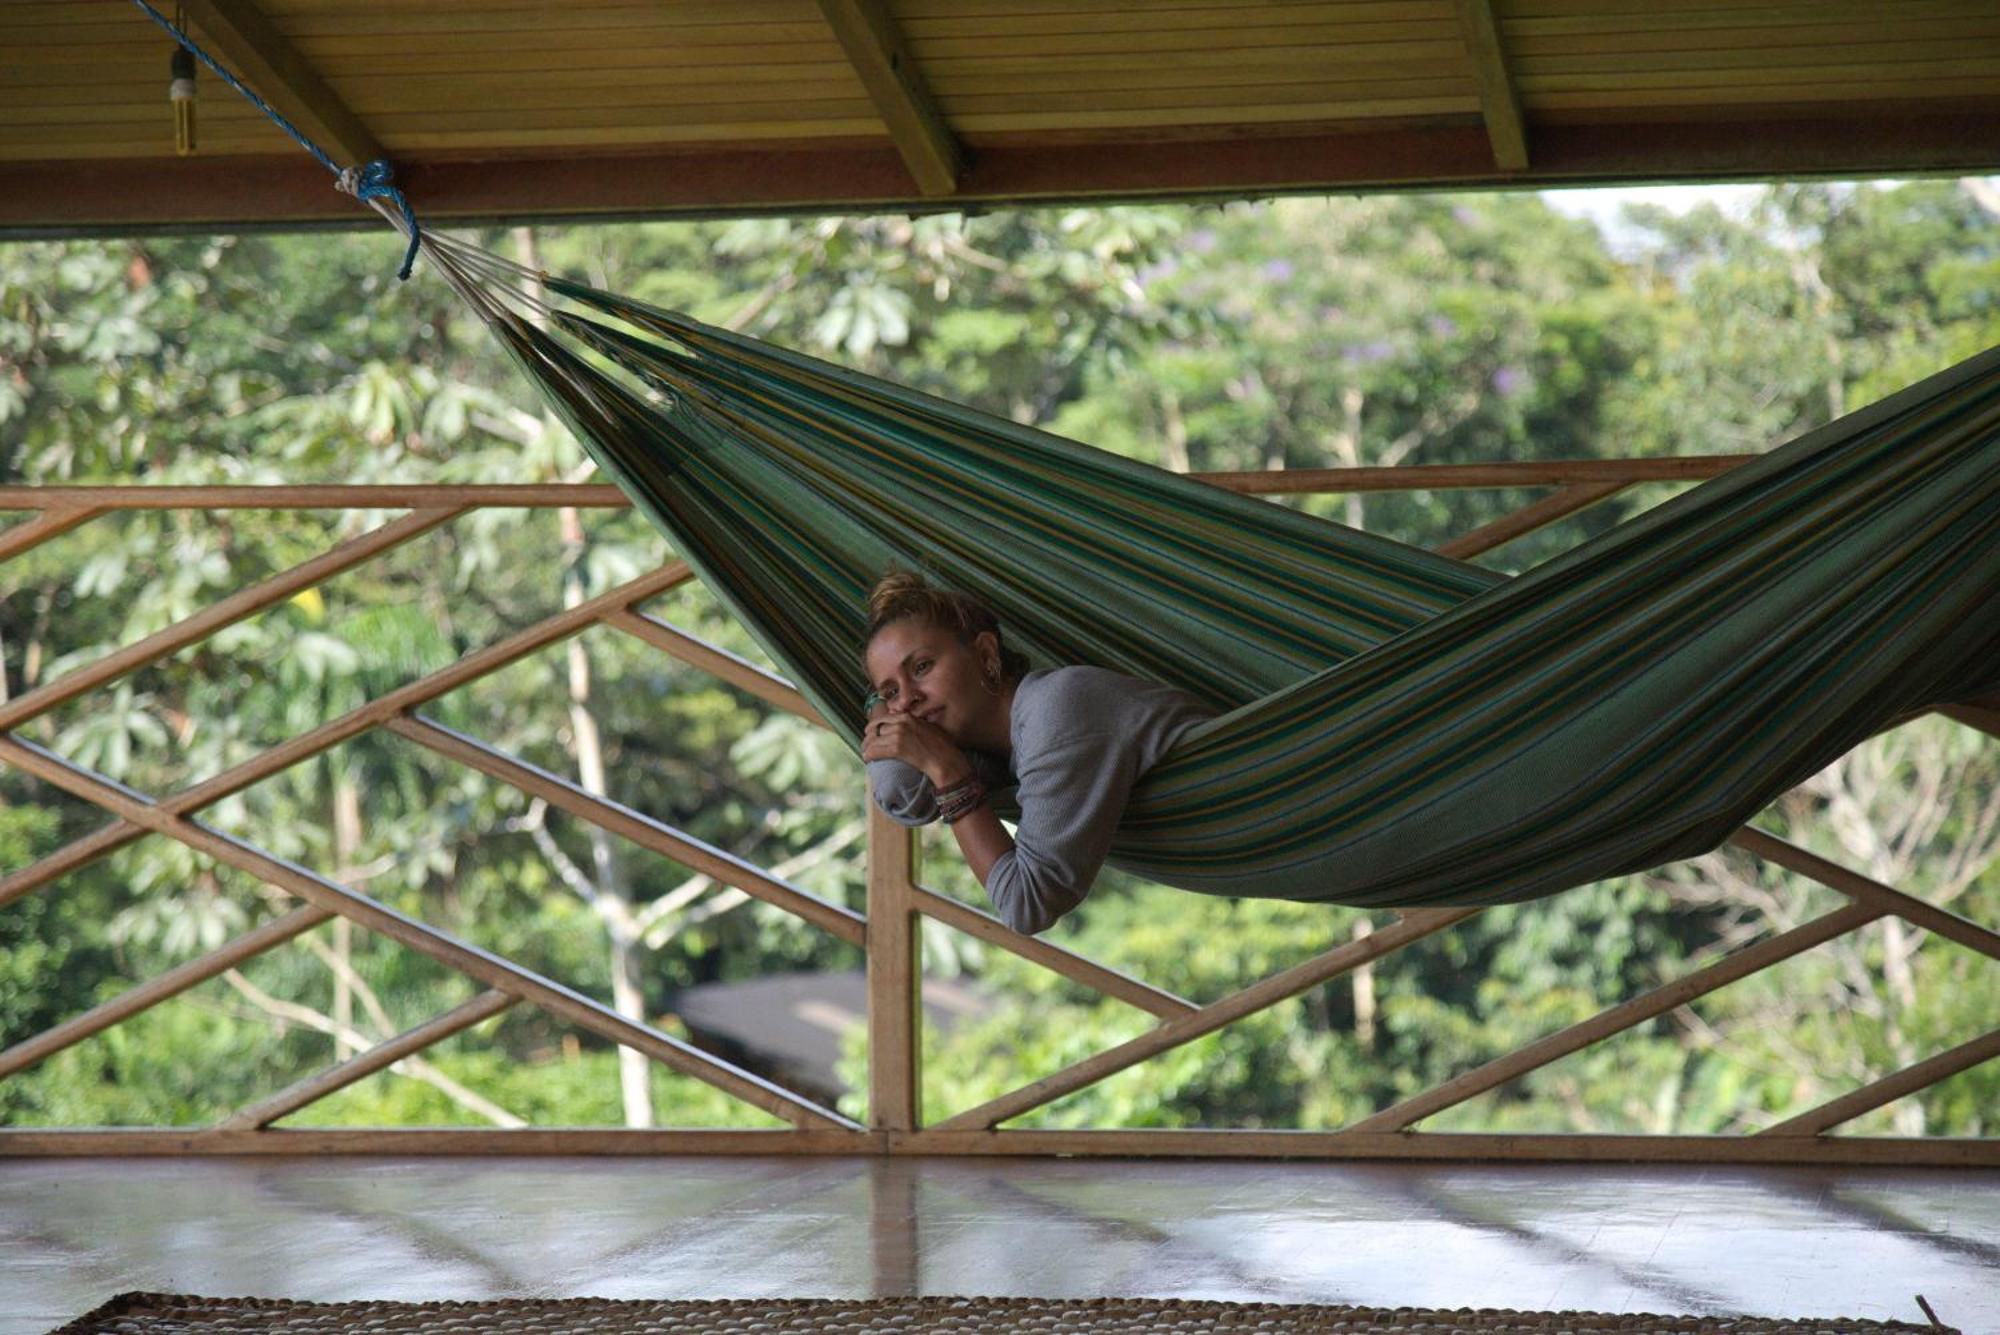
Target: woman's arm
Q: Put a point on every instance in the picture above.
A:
(1072, 790)
(982, 839)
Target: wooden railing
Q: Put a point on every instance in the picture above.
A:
(889, 932)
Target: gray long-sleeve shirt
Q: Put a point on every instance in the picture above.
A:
(1081, 737)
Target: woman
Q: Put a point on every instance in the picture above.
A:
(956, 716)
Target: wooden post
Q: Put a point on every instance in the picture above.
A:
(895, 977)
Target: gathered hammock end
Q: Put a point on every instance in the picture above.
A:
(377, 181)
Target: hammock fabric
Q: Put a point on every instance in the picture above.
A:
(1398, 728)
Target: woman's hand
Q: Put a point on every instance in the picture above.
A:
(914, 742)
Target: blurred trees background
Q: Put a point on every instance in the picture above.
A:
(1294, 333)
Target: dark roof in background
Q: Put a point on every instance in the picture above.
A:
(790, 1026)
(520, 109)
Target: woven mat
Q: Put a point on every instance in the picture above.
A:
(172, 1314)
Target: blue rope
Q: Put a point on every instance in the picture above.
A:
(374, 181)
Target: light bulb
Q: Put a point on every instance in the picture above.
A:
(181, 91)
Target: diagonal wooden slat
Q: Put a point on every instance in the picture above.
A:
(234, 608)
(152, 992)
(1436, 477)
(77, 853)
(1617, 1019)
(1209, 1018)
(662, 838)
(335, 731)
(717, 662)
(32, 533)
(316, 1087)
(256, 52)
(1918, 1075)
(560, 1001)
(1868, 891)
(867, 32)
(1528, 518)
(1075, 967)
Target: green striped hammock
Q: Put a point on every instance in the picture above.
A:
(1395, 727)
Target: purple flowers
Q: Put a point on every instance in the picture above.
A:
(1509, 380)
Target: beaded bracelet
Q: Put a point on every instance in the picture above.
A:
(960, 800)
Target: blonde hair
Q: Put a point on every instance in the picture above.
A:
(905, 595)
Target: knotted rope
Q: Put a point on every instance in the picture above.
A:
(373, 181)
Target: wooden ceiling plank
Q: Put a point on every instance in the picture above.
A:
(1498, 100)
(875, 48)
(1819, 96)
(408, 23)
(261, 56)
(1904, 15)
(539, 14)
(1745, 72)
(1775, 41)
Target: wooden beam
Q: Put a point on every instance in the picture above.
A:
(551, 630)
(1535, 515)
(1412, 1146)
(1898, 1084)
(1617, 1019)
(1845, 1151)
(1498, 100)
(895, 978)
(641, 829)
(1412, 926)
(876, 49)
(597, 495)
(316, 1087)
(238, 32)
(717, 662)
(32, 533)
(651, 1143)
(74, 196)
(169, 984)
(1077, 968)
(236, 607)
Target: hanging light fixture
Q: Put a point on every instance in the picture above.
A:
(181, 93)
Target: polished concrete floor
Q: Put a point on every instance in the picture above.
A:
(1759, 1241)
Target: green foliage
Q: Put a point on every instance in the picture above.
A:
(1433, 329)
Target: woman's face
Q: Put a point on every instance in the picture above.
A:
(924, 671)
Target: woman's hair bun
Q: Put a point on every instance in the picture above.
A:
(906, 595)
(898, 594)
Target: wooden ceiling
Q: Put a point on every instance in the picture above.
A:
(540, 109)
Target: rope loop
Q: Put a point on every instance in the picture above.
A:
(377, 180)
(374, 181)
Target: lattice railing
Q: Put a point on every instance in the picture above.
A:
(889, 932)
